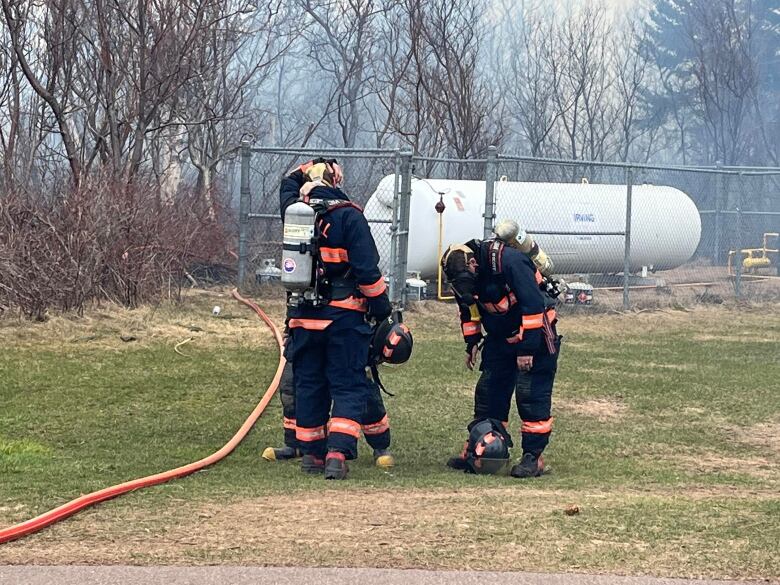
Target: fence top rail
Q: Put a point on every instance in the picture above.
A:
(747, 171)
(325, 150)
(450, 160)
(769, 171)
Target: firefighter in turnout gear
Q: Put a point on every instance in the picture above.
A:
(498, 289)
(375, 424)
(329, 267)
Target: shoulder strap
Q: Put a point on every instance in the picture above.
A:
(495, 256)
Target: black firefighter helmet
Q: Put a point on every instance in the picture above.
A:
(487, 451)
(392, 341)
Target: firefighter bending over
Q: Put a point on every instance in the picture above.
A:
(329, 267)
(499, 288)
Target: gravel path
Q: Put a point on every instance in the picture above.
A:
(120, 575)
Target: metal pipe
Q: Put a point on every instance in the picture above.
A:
(621, 165)
(243, 213)
(490, 192)
(403, 224)
(627, 249)
(738, 260)
(394, 286)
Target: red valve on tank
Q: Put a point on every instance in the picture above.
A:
(439, 207)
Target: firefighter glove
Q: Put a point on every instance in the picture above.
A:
(379, 308)
(472, 340)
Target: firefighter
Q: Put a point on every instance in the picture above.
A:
(375, 424)
(498, 288)
(328, 321)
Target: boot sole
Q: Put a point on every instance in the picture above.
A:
(339, 473)
(335, 475)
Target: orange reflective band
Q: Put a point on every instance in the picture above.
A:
(334, 255)
(352, 303)
(535, 321)
(344, 426)
(310, 324)
(310, 434)
(388, 352)
(540, 427)
(471, 328)
(373, 290)
(394, 338)
(503, 305)
(377, 428)
(289, 423)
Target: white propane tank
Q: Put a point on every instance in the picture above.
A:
(297, 261)
(665, 224)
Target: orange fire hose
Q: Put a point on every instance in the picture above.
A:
(74, 506)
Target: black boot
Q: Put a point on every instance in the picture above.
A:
(529, 466)
(312, 464)
(336, 466)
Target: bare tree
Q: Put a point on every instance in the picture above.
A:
(51, 73)
(530, 74)
(343, 42)
(720, 36)
(632, 70)
(218, 104)
(465, 107)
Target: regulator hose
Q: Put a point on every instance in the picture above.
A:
(74, 506)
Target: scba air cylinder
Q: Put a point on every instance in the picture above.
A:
(297, 268)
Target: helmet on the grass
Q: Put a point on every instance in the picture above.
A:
(487, 451)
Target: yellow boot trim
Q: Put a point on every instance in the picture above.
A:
(385, 461)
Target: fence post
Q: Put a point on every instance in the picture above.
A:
(719, 189)
(243, 212)
(627, 248)
(399, 271)
(738, 249)
(490, 192)
(394, 229)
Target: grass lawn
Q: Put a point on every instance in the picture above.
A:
(667, 438)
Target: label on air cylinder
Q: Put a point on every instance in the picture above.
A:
(294, 230)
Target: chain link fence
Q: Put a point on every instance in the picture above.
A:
(621, 234)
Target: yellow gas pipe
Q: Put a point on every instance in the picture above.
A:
(440, 210)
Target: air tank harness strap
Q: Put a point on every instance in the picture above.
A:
(301, 247)
(547, 330)
(495, 253)
(320, 205)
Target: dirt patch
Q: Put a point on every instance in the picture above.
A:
(400, 529)
(711, 462)
(765, 435)
(602, 409)
(111, 327)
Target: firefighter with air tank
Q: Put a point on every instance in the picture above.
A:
(335, 288)
(505, 286)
